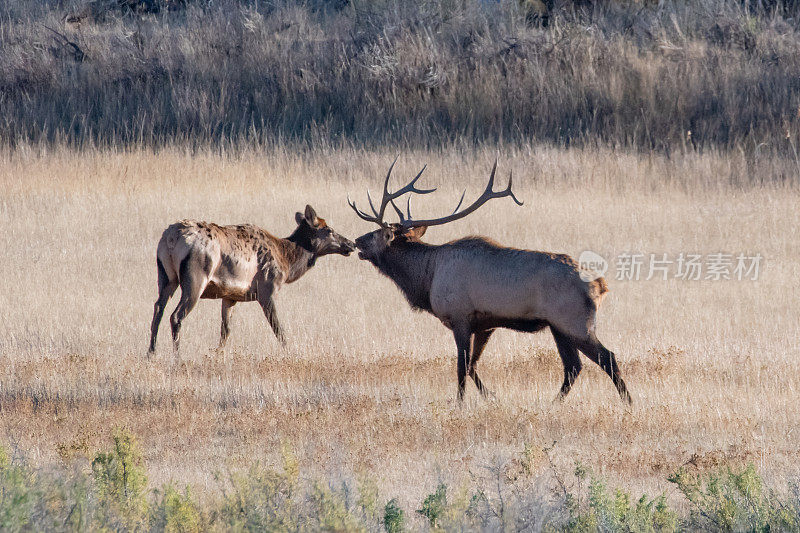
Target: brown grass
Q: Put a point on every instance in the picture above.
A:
(365, 384)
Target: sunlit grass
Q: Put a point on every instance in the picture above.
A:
(365, 383)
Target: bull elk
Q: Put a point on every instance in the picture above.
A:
(474, 286)
(241, 263)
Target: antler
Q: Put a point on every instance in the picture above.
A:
(388, 197)
(487, 195)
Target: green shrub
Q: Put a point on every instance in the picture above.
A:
(728, 500)
(264, 499)
(121, 482)
(16, 494)
(177, 512)
(368, 499)
(275, 500)
(114, 496)
(434, 505)
(393, 517)
(329, 511)
(36, 500)
(449, 514)
(606, 511)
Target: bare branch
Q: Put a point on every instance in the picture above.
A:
(77, 54)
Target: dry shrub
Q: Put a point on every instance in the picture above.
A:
(420, 73)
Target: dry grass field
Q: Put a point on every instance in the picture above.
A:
(656, 128)
(365, 385)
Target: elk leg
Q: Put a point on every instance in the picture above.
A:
(225, 329)
(571, 360)
(166, 289)
(463, 336)
(191, 289)
(268, 305)
(605, 358)
(479, 340)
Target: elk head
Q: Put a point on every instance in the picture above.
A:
(372, 245)
(318, 238)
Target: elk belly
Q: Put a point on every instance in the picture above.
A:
(497, 299)
(231, 285)
(212, 291)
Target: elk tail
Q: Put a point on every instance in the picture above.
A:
(597, 290)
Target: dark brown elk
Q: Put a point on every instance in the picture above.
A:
(474, 286)
(236, 264)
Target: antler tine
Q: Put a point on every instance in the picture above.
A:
(389, 197)
(378, 215)
(386, 198)
(510, 192)
(410, 187)
(371, 206)
(360, 213)
(487, 195)
(406, 220)
(459, 202)
(398, 211)
(490, 185)
(388, 175)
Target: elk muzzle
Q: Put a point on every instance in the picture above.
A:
(363, 244)
(348, 247)
(336, 244)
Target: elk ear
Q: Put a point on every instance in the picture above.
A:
(311, 216)
(415, 233)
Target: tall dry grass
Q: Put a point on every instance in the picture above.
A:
(663, 76)
(366, 385)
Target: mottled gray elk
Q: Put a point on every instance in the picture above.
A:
(241, 263)
(474, 286)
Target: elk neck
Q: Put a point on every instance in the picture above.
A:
(411, 265)
(299, 253)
